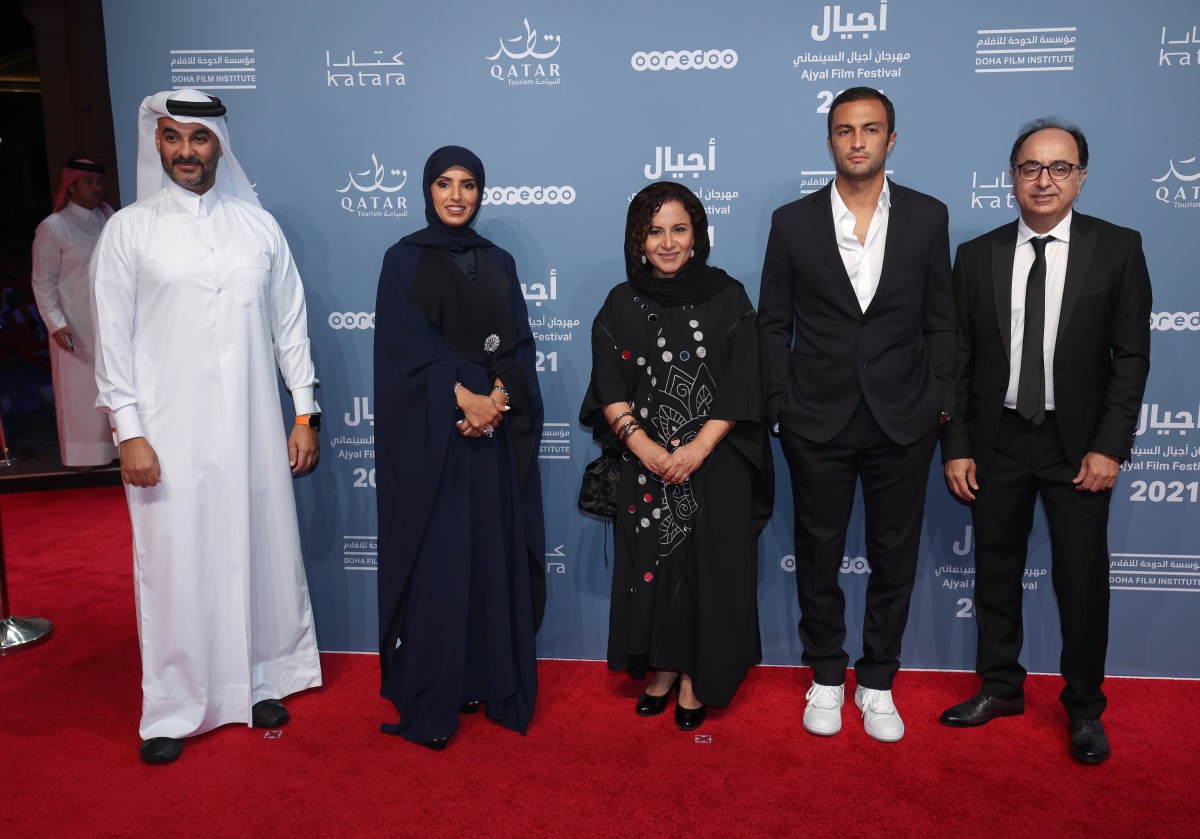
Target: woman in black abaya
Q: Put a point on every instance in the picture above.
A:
(678, 382)
(457, 414)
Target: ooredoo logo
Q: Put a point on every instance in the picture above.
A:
(529, 195)
(850, 565)
(684, 60)
(1175, 321)
(352, 320)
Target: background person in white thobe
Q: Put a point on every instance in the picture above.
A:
(197, 301)
(62, 248)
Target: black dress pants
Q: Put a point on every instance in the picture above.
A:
(1027, 462)
(894, 478)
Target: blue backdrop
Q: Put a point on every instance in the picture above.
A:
(574, 107)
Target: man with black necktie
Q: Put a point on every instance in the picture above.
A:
(1054, 423)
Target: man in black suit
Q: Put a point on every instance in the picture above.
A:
(857, 311)
(1054, 423)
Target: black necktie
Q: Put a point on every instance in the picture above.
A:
(1031, 386)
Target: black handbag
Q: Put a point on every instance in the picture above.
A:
(598, 489)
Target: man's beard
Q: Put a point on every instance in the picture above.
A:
(205, 176)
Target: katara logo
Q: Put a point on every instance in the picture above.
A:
(523, 61)
(361, 192)
(862, 24)
(1184, 191)
(1183, 57)
(553, 567)
(382, 70)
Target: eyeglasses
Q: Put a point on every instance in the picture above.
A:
(1059, 170)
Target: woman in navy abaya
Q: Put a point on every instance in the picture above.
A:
(458, 414)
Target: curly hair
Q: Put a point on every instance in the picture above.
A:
(641, 212)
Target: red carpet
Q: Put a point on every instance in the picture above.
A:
(589, 767)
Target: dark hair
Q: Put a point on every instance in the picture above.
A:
(641, 212)
(1041, 124)
(858, 94)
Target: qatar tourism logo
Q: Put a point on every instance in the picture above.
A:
(524, 60)
(1179, 186)
(374, 192)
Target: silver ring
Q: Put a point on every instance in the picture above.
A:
(489, 431)
(458, 422)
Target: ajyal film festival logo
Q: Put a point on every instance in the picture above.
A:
(375, 191)
(525, 59)
(833, 60)
(679, 165)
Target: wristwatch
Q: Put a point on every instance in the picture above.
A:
(313, 421)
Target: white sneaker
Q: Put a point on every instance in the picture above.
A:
(823, 715)
(880, 717)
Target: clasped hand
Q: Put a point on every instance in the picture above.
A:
(481, 414)
(673, 467)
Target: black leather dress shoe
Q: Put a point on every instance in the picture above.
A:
(688, 719)
(1089, 743)
(469, 707)
(161, 749)
(438, 745)
(652, 706)
(269, 713)
(981, 708)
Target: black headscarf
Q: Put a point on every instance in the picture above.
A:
(697, 281)
(438, 234)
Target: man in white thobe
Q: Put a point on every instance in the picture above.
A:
(62, 248)
(197, 301)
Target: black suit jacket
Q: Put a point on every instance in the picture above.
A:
(1101, 352)
(824, 353)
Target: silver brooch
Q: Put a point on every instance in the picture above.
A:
(491, 343)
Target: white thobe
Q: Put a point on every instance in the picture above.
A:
(62, 248)
(197, 300)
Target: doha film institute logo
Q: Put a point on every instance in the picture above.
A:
(214, 69)
(525, 59)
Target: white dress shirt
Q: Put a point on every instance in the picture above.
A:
(864, 262)
(1056, 275)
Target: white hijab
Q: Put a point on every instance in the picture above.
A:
(150, 174)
